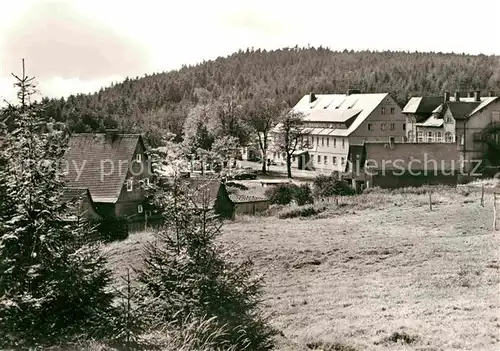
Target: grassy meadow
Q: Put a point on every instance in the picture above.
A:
(379, 271)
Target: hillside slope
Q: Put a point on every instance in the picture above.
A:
(163, 100)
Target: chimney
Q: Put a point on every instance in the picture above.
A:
(111, 134)
(446, 96)
(353, 91)
(312, 97)
(477, 96)
(457, 95)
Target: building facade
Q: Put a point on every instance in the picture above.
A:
(114, 168)
(334, 122)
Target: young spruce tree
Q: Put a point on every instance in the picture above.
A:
(53, 283)
(190, 276)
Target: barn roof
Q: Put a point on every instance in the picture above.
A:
(241, 198)
(103, 162)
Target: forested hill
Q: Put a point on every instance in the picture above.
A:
(164, 100)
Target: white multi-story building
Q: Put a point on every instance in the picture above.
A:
(334, 122)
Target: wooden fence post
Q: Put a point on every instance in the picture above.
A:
(482, 195)
(430, 200)
(495, 211)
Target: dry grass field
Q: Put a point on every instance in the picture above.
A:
(380, 272)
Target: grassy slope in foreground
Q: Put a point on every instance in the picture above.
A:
(391, 266)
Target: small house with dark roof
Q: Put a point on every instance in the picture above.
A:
(80, 202)
(210, 194)
(112, 167)
(405, 164)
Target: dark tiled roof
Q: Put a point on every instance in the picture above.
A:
(205, 190)
(445, 155)
(461, 110)
(103, 163)
(70, 194)
(423, 105)
(240, 198)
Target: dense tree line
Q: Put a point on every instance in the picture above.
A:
(161, 102)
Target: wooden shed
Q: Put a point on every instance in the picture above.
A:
(247, 204)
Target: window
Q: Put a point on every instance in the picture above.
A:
(382, 110)
(382, 126)
(370, 126)
(343, 143)
(319, 159)
(325, 160)
(462, 139)
(322, 141)
(420, 136)
(334, 142)
(293, 158)
(448, 136)
(312, 141)
(327, 141)
(140, 209)
(146, 181)
(312, 158)
(393, 110)
(393, 126)
(130, 185)
(138, 157)
(439, 137)
(274, 154)
(317, 141)
(404, 126)
(448, 119)
(429, 137)
(334, 160)
(342, 161)
(410, 136)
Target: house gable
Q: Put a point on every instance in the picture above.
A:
(100, 162)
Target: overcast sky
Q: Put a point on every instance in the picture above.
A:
(78, 46)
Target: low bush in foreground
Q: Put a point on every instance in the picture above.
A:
(286, 193)
(331, 185)
(299, 211)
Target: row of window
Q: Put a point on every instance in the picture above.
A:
(325, 159)
(383, 110)
(383, 126)
(432, 137)
(310, 141)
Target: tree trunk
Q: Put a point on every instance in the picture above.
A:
(289, 165)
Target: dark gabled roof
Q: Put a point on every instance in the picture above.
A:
(380, 156)
(423, 105)
(71, 194)
(461, 110)
(103, 162)
(205, 191)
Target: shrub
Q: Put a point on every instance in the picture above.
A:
(111, 228)
(282, 194)
(303, 195)
(299, 211)
(325, 186)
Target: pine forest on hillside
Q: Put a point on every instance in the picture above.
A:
(161, 102)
